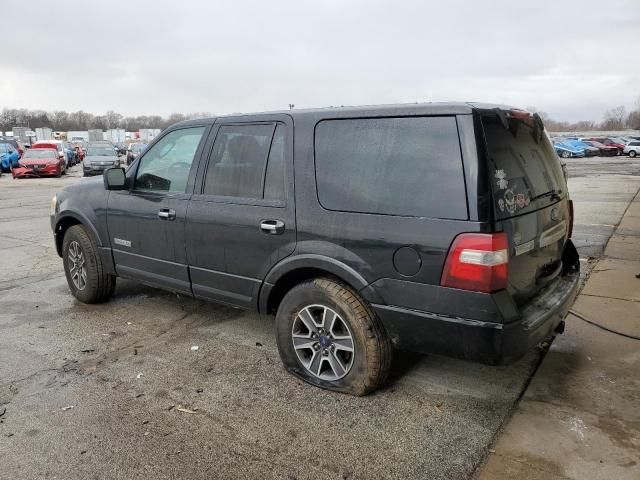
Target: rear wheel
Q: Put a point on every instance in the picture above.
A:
(565, 154)
(84, 269)
(330, 338)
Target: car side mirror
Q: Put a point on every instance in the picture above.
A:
(114, 179)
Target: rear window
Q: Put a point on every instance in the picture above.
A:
(525, 171)
(40, 153)
(393, 166)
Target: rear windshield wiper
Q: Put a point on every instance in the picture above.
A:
(554, 194)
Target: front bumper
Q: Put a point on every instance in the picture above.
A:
(96, 169)
(483, 341)
(34, 172)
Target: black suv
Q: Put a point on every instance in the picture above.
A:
(439, 228)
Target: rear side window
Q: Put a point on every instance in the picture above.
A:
(393, 166)
(525, 172)
(238, 161)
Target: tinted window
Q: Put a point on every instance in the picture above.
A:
(274, 179)
(396, 166)
(40, 153)
(236, 167)
(525, 172)
(166, 165)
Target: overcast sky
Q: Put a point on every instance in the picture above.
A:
(572, 59)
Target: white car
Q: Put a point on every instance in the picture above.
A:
(632, 148)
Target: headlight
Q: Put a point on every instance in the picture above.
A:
(54, 205)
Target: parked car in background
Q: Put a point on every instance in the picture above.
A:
(134, 150)
(589, 151)
(58, 145)
(14, 142)
(376, 239)
(566, 150)
(99, 157)
(72, 154)
(9, 157)
(605, 150)
(609, 143)
(37, 162)
(632, 148)
(121, 148)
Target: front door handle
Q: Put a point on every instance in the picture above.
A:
(167, 214)
(272, 227)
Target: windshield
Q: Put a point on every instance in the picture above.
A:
(39, 153)
(525, 170)
(100, 152)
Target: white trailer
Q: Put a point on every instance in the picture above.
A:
(75, 135)
(22, 134)
(115, 135)
(148, 134)
(44, 134)
(96, 135)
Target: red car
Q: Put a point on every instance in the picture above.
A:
(609, 143)
(37, 162)
(605, 150)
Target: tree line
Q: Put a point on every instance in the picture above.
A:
(62, 121)
(616, 118)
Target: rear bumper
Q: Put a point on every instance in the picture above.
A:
(483, 341)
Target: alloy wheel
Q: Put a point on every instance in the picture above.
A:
(77, 266)
(323, 342)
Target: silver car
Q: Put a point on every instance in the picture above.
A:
(99, 157)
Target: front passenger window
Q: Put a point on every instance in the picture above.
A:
(165, 166)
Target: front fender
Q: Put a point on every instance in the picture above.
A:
(64, 216)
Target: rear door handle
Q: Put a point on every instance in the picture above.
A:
(167, 214)
(272, 227)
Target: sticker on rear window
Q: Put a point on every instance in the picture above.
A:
(513, 194)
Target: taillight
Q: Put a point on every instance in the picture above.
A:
(570, 218)
(478, 262)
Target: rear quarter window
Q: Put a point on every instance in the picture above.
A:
(409, 166)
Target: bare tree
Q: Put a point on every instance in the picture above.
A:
(614, 118)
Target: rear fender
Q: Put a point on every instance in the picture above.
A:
(318, 262)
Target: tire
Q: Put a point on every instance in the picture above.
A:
(360, 372)
(632, 153)
(98, 285)
(565, 154)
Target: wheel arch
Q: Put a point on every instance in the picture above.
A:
(68, 220)
(294, 270)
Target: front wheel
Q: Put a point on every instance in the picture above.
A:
(565, 154)
(83, 267)
(632, 153)
(330, 338)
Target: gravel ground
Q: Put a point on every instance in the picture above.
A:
(145, 405)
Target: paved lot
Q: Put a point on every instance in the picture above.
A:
(127, 369)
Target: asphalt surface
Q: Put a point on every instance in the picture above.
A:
(116, 390)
